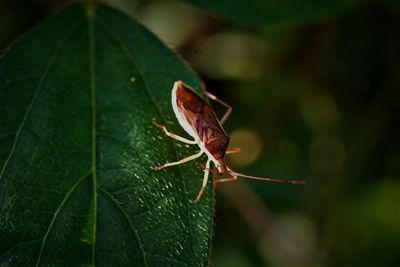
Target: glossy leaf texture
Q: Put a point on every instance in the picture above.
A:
(77, 149)
(275, 11)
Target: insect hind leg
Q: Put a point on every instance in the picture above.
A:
(216, 99)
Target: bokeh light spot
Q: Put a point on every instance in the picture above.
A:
(251, 145)
(173, 22)
(232, 55)
(291, 240)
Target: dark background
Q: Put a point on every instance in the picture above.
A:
(312, 100)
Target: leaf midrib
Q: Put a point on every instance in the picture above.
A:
(92, 81)
(90, 9)
(90, 16)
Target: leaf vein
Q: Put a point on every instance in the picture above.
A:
(57, 212)
(35, 95)
(133, 228)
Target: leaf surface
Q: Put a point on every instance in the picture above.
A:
(275, 11)
(77, 149)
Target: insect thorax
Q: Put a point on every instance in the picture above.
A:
(217, 146)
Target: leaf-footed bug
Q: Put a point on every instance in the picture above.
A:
(198, 119)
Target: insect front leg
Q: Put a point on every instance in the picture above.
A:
(174, 136)
(205, 179)
(192, 157)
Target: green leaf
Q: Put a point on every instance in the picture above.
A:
(77, 149)
(275, 11)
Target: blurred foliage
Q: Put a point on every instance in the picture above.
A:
(319, 98)
(282, 11)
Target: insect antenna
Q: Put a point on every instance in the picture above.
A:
(274, 180)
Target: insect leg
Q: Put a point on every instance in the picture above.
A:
(205, 179)
(192, 157)
(216, 99)
(233, 150)
(224, 180)
(174, 136)
(198, 164)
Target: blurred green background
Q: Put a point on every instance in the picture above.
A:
(313, 99)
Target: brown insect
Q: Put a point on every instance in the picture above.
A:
(198, 119)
